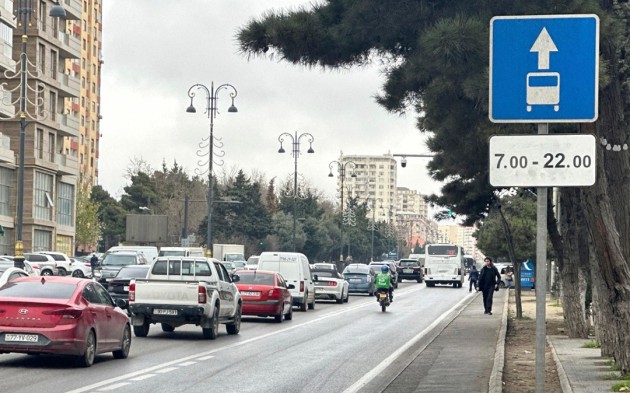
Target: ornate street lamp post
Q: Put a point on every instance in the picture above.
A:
(211, 111)
(341, 167)
(295, 152)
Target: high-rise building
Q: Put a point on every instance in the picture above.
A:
(460, 235)
(375, 181)
(53, 114)
(411, 201)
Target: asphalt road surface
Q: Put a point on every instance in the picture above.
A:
(335, 348)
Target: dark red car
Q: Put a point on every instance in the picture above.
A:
(62, 315)
(265, 294)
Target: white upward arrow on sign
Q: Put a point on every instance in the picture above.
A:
(543, 45)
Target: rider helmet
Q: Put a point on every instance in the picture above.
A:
(384, 268)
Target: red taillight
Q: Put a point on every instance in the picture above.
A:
(88, 264)
(273, 293)
(202, 294)
(332, 284)
(65, 313)
(132, 292)
(35, 266)
(301, 286)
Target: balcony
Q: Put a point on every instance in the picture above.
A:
(73, 9)
(68, 85)
(68, 125)
(66, 164)
(70, 47)
(6, 154)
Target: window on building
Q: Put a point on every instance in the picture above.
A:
(6, 190)
(51, 147)
(82, 120)
(84, 43)
(39, 143)
(41, 58)
(93, 87)
(52, 105)
(83, 62)
(43, 15)
(43, 189)
(65, 204)
(42, 240)
(83, 82)
(83, 101)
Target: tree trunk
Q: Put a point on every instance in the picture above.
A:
(602, 309)
(517, 265)
(572, 279)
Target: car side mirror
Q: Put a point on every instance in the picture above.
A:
(235, 278)
(122, 303)
(290, 286)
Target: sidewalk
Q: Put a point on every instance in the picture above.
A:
(467, 356)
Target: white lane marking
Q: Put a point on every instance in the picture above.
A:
(142, 377)
(185, 364)
(367, 378)
(166, 370)
(205, 357)
(114, 387)
(369, 302)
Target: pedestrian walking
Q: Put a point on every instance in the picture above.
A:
(488, 282)
(473, 276)
(93, 263)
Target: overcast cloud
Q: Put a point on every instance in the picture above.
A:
(154, 50)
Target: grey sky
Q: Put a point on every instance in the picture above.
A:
(154, 50)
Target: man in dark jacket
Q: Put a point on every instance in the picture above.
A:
(488, 282)
(473, 276)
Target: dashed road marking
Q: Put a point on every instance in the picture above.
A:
(186, 364)
(114, 387)
(205, 357)
(142, 377)
(166, 370)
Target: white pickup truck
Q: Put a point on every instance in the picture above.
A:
(185, 290)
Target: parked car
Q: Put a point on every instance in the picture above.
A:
(114, 261)
(360, 278)
(377, 265)
(330, 285)
(63, 261)
(10, 273)
(64, 316)
(409, 269)
(80, 269)
(31, 269)
(295, 269)
(46, 263)
(265, 294)
(118, 287)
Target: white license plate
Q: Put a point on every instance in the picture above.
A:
(355, 280)
(126, 288)
(159, 311)
(250, 293)
(29, 338)
(408, 271)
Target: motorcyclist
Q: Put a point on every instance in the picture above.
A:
(383, 282)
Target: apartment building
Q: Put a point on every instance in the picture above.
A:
(411, 201)
(53, 115)
(375, 182)
(461, 235)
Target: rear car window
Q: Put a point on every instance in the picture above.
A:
(35, 289)
(409, 263)
(321, 273)
(118, 260)
(133, 272)
(256, 279)
(185, 268)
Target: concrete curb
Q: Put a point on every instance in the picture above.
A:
(562, 375)
(496, 377)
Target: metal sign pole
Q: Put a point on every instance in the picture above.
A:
(541, 277)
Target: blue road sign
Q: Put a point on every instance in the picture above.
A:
(544, 68)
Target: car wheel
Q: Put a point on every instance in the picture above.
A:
(167, 328)
(347, 298)
(311, 306)
(278, 318)
(289, 316)
(78, 273)
(62, 271)
(235, 326)
(212, 331)
(303, 305)
(371, 293)
(142, 331)
(340, 300)
(123, 353)
(47, 273)
(87, 359)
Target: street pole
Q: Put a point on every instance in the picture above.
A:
(211, 111)
(295, 141)
(341, 167)
(541, 277)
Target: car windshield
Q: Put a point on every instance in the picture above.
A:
(35, 289)
(133, 272)
(321, 273)
(408, 263)
(356, 269)
(119, 260)
(256, 278)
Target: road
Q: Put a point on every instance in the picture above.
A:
(334, 348)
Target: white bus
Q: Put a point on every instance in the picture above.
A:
(444, 264)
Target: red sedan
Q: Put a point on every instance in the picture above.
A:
(62, 315)
(265, 294)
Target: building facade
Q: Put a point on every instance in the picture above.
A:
(54, 49)
(460, 235)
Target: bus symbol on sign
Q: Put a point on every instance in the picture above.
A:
(543, 88)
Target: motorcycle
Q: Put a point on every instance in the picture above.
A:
(383, 299)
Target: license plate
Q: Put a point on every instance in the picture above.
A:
(126, 288)
(29, 338)
(408, 271)
(249, 293)
(382, 295)
(355, 280)
(159, 311)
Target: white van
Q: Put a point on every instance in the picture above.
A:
(181, 252)
(150, 252)
(295, 269)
